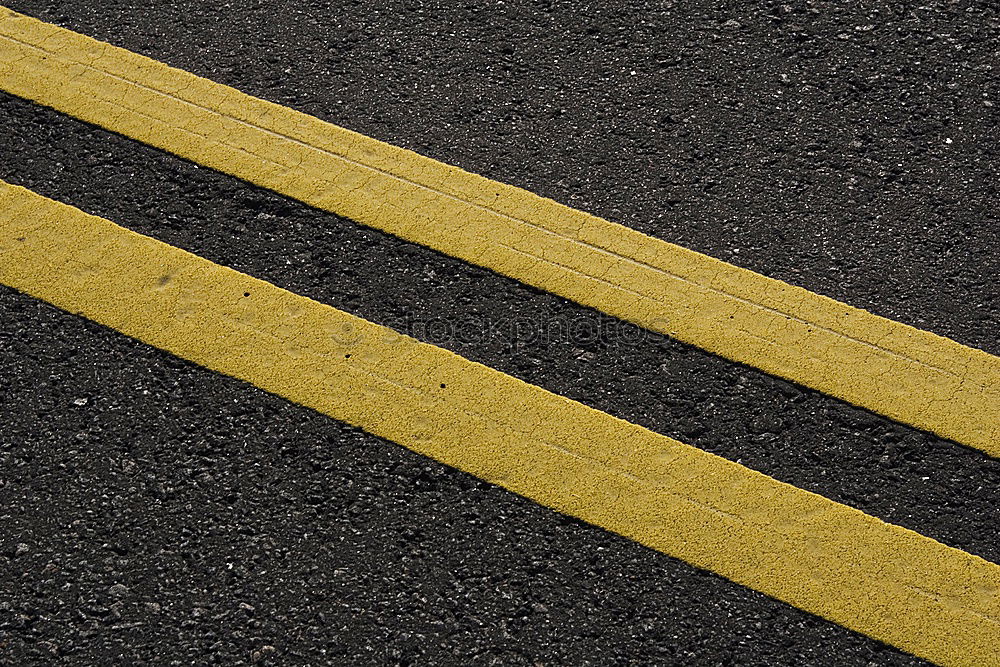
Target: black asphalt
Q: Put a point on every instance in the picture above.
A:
(803, 141)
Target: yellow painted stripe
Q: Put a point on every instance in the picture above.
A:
(907, 374)
(885, 581)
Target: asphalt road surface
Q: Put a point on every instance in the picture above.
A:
(156, 512)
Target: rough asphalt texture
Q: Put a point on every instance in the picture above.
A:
(803, 144)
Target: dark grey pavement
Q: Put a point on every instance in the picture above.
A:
(156, 502)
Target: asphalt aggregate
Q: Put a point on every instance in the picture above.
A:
(161, 513)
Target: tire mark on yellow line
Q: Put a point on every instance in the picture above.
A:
(880, 579)
(904, 373)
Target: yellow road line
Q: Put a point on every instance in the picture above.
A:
(885, 581)
(907, 374)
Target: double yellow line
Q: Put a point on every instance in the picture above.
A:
(890, 583)
(824, 557)
(904, 373)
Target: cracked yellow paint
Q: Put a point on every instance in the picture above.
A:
(880, 579)
(904, 373)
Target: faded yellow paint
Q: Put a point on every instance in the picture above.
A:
(904, 373)
(882, 580)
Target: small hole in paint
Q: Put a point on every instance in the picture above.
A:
(246, 293)
(347, 356)
(442, 385)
